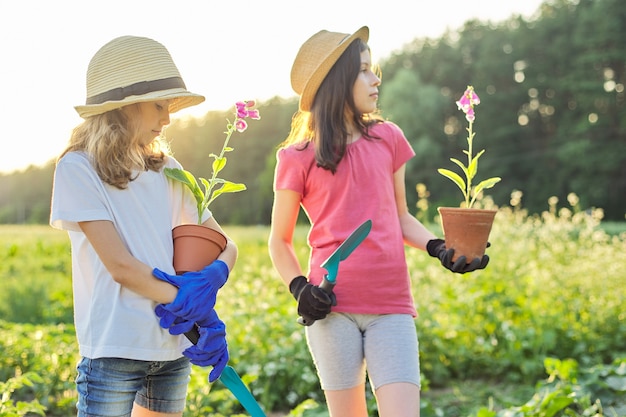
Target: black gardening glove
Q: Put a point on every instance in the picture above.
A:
(437, 249)
(313, 302)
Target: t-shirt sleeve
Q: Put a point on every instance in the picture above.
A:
(77, 194)
(403, 149)
(290, 173)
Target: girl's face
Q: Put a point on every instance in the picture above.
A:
(366, 86)
(152, 117)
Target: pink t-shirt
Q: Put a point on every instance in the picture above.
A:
(374, 279)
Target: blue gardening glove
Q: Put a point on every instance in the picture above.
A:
(211, 349)
(437, 249)
(218, 359)
(177, 325)
(212, 333)
(313, 302)
(197, 291)
(173, 323)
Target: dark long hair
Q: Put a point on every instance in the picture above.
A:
(325, 125)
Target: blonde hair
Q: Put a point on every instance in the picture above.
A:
(111, 141)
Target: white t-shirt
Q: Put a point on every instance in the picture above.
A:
(113, 321)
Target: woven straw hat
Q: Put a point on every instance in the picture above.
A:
(132, 69)
(315, 59)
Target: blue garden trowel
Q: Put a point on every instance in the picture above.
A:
(233, 382)
(332, 263)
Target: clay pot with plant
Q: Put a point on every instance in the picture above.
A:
(466, 229)
(196, 245)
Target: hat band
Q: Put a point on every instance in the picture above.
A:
(136, 89)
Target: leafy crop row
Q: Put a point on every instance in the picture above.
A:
(548, 308)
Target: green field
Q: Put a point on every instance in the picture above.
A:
(540, 332)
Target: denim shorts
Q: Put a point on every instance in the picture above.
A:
(108, 387)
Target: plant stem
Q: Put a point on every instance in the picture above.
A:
(470, 141)
(217, 164)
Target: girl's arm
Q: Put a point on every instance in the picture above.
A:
(125, 269)
(229, 254)
(131, 273)
(284, 216)
(414, 232)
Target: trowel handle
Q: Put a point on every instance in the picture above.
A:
(194, 334)
(327, 286)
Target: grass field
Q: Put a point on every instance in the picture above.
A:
(540, 332)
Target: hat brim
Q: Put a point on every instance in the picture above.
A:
(181, 99)
(320, 73)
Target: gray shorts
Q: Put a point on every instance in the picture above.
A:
(344, 345)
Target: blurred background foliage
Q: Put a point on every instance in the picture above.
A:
(540, 332)
(552, 117)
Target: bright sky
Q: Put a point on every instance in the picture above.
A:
(226, 50)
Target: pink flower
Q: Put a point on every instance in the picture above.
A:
(467, 102)
(243, 110)
(241, 125)
(470, 192)
(254, 114)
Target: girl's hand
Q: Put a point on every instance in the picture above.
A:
(313, 302)
(197, 291)
(437, 249)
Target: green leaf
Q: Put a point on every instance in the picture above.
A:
(180, 175)
(219, 164)
(456, 178)
(554, 403)
(616, 383)
(485, 412)
(188, 179)
(460, 164)
(231, 187)
(473, 166)
(488, 183)
(227, 187)
(207, 184)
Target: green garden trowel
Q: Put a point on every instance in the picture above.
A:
(332, 263)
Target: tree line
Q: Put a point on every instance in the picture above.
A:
(552, 118)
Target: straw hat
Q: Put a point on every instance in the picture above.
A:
(132, 69)
(315, 59)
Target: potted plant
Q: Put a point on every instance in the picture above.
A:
(195, 245)
(466, 229)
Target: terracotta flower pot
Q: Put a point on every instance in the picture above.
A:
(466, 230)
(196, 246)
